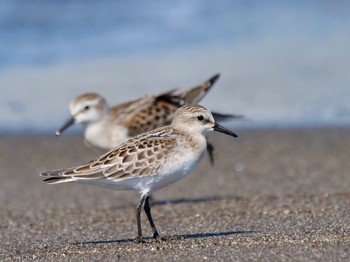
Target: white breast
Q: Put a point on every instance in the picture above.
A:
(177, 167)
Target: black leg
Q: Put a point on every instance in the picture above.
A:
(151, 199)
(138, 218)
(147, 208)
(210, 149)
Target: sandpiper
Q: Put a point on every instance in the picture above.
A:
(107, 127)
(150, 160)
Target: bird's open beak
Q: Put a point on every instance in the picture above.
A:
(68, 123)
(224, 130)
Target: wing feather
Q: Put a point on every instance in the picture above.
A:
(140, 156)
(148, 113)
(144, 161)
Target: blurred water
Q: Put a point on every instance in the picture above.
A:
(66, 30)
(282, 62)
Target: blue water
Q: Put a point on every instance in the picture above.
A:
(40, 32)
(287, 60)
(44, 31)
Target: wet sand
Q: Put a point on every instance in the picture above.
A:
(273, 195)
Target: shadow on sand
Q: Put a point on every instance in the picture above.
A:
(184, 200)
(175, 237)
(193, 200)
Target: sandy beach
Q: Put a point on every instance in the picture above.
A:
(273, 195)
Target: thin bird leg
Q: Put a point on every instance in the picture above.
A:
(147, 208)
(211, 149)
(138, 218)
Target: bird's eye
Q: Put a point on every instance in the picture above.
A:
(200, 118)
(86, 107)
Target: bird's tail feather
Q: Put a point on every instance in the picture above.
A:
(58, 180)
(56, 176)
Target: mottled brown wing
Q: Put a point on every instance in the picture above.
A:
(144, 114)
(158, 111)
(143, 158)
(157, 114)
(139, 157)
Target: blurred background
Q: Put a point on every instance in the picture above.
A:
(282, 63)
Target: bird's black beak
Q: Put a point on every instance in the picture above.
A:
(224, 130)
(68, 123)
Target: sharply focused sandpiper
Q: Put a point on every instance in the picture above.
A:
(107, 127)
(148, 161)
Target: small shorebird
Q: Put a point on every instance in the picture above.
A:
(107, 127)
(148, 161)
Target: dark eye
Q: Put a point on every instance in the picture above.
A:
(86, 107)
(200, 118)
